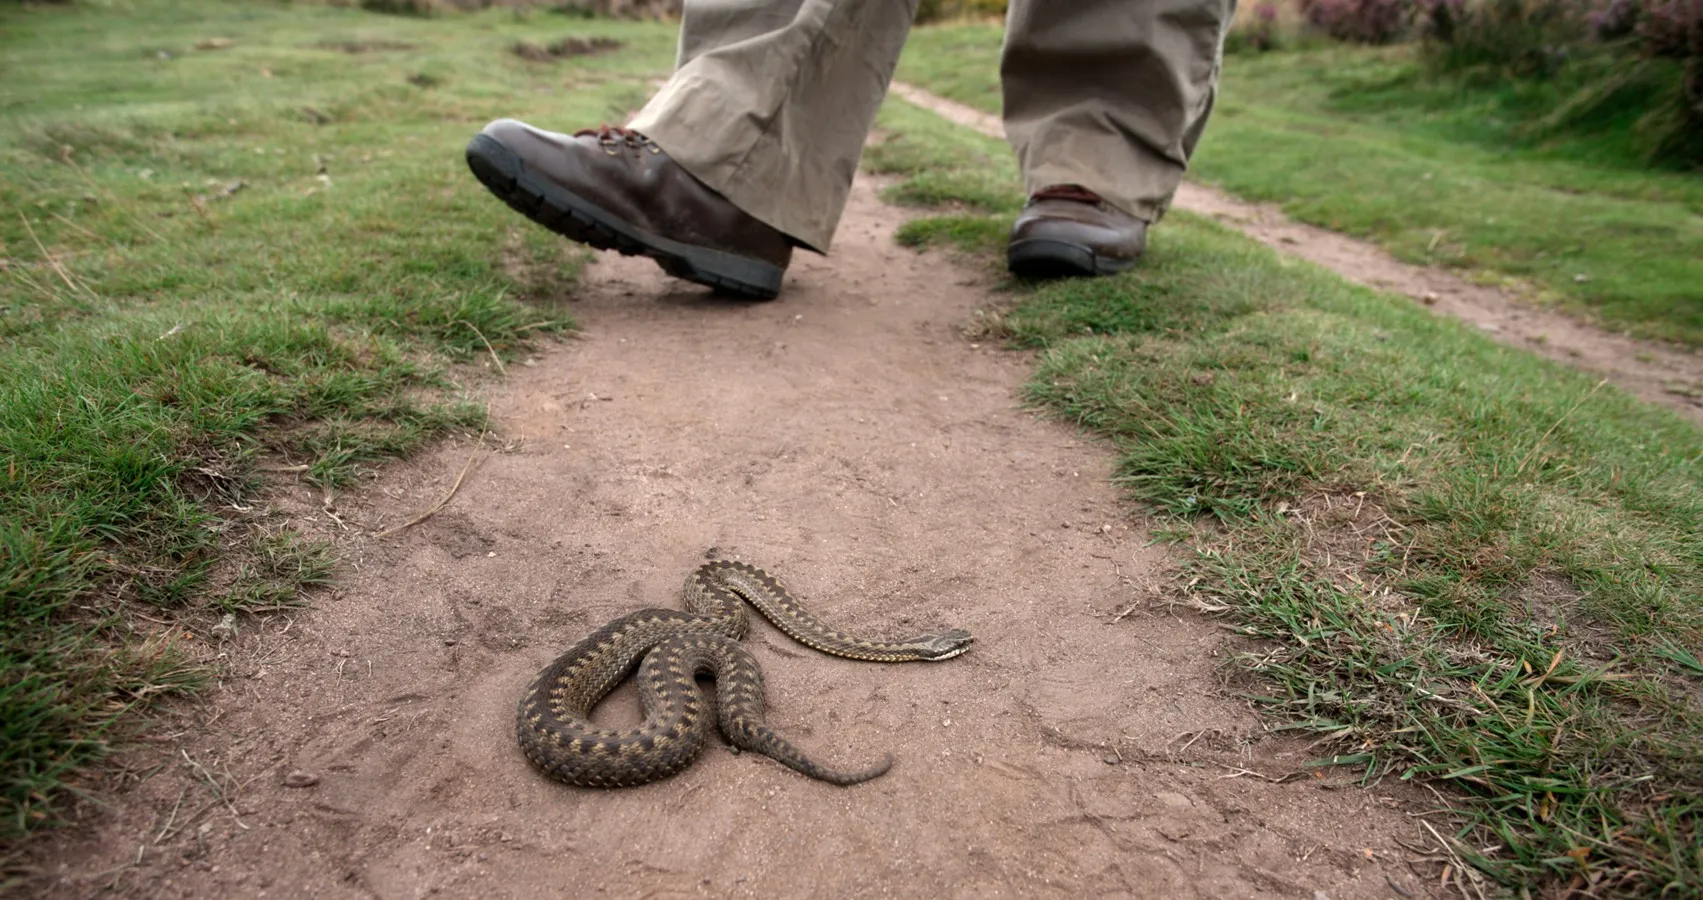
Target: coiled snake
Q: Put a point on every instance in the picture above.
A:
(554, 724)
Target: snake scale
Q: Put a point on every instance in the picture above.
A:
(670, 648)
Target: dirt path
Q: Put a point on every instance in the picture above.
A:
(852, 439)
(1654, 372)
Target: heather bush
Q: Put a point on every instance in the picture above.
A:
(1499, 38)
(1631, 67)
(1359, 21)
(1257, 33)
(1613, 21)
(1673, 29)
(1670, 38)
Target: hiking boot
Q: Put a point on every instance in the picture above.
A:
(615, 189)
(1068, 230)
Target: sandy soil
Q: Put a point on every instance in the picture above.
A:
(1658, 373)
(856, 440)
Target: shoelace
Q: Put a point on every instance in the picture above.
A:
(1074, 192)
(613, 138)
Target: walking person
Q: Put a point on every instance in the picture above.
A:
(749, 150)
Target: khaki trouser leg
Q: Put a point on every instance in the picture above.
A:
(772, 100)
(1111, 95)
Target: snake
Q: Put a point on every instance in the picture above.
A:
(670, 648)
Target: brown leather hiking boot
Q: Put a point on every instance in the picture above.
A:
(614, 189)
(1069, 230)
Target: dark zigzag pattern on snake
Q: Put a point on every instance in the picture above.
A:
(670, 648)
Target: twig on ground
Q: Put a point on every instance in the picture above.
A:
(173, 817)
(1239, 772)
(1126, 611)
(1197, 736)
(474, 456)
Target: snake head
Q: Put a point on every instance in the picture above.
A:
(945, 645)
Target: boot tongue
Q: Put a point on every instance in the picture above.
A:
(1074, 192)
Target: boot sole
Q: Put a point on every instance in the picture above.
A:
(503, 173)
(1058, 259)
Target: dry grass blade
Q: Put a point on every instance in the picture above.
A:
(1557, 424)
(500, 369)
(444, 501)
(53, 261)
(1465, 878)
(65, 157)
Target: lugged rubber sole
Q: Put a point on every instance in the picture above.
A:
(503, 173)
(1058, 259)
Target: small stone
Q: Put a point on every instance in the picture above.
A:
(1430, 298)
(227, 626)
(1109, 759)
(1105, 529)
(300, 779)
(1203, 379)
(450, 642)
(1174, 800)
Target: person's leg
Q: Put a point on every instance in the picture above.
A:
(1104, 101)
(772, 102)
(749, 149)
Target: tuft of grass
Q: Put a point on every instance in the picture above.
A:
(1459, 564)
(275, 571)
(1360, 140)
(235, 232)
(911, 144)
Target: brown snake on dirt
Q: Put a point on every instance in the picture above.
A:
(554, 724)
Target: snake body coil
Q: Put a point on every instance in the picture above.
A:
(671, 648)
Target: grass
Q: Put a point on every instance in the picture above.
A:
(1361, 141)
(235, 234)
(1454, 563)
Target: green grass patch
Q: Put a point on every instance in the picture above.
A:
(235, 232)
(1456, 563)
(1361, 141)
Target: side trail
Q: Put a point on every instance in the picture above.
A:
(1653, 372)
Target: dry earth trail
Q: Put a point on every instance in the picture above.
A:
(852, 438)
